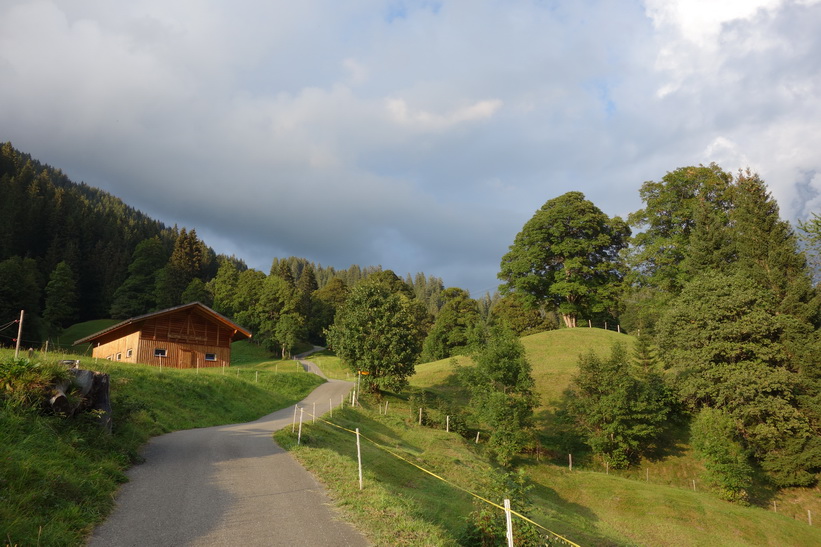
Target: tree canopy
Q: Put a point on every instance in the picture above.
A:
(567, 257)
(377, 331)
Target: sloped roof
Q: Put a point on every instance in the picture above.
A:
(239, 332)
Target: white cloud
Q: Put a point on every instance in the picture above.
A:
(419, 138)
(429, 121)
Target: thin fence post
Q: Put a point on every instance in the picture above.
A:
(509, 521)
(447, 424)
(359, 457)
(477, 437)
(570, 462)
(299, 437)
(420, 415)
(386, 407)
(694, 485)
(607, 467)
(605, 325)
(618, 328)
(293, 423)
(589, 324)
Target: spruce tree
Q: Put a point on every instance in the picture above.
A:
(61, 299)
(137, 294)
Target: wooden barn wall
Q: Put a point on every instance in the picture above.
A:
(190, 327)
(110, 349)
(180, 355)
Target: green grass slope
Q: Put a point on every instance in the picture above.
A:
(58, 476)
(652, 504)
(553, 355)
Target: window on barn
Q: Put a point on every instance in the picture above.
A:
(119, 356)
(129, 352)
(210, 356)
(159, 352)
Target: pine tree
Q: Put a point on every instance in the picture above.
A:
(61, 299)
(137, 294)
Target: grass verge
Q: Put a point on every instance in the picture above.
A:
(58, 476)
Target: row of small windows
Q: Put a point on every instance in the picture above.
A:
(158, 352)
(162, 352)
(128, 353)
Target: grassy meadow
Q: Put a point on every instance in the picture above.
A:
(58, 476)
(654, 503)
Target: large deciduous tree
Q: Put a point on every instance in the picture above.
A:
(567, 258)
(377, 330)
(672, 210)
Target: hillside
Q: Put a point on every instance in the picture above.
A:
(552, 354)
(655, 503)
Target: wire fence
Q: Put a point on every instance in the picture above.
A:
(551, 534)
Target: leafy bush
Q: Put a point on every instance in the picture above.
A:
(713, 436)
(26, 385)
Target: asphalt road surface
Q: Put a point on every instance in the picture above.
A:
(227, 485)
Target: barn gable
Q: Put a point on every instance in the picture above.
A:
(188, 336)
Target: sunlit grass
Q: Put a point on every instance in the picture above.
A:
(58, 476)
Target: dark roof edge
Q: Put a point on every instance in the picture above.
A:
(159, 313)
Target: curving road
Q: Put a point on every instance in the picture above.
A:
(227, 485)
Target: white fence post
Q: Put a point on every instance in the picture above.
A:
(509, 524)
(570, 462)
(299, 437)
(359, 457)
(447, 424)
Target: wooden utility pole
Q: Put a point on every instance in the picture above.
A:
(19, 334)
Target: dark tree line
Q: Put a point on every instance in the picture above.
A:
(50, 226)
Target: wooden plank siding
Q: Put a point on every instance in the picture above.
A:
(174, 352)
(119, 347)
(179, 337)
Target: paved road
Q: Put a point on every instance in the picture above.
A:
(227, 485)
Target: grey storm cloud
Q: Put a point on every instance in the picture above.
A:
(415, 135)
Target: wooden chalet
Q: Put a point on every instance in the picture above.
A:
(188, 336)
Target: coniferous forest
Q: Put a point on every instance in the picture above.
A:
(720, 291)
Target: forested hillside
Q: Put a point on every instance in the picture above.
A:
(47, 220)
(70, 252)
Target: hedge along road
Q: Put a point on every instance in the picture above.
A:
(227, 485)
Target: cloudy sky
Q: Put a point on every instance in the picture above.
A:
(416, 135)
